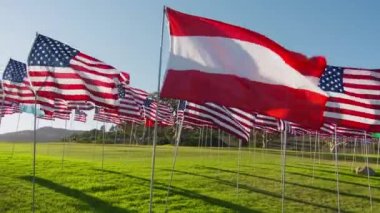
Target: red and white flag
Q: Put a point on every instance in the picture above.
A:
(211, 61)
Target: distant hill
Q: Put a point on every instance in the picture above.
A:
(44, 134)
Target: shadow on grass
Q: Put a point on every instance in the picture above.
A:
(294, 184)
(256, 190)
(186, 193)
(323, 178)
(93, 202)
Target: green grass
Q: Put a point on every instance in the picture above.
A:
(204, 180)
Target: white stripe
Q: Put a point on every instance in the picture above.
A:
(218, 55)
(361, 72)
(353, 107)
(353, 118)
(362, 91)
(352, 98)
(361, 81)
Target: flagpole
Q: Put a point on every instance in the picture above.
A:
(34, 156)
(336, 171)
(13, 145)
(177, 141)
(130, 135)
(155, 123)
(367, 165)
(64, 145)
(283, 143)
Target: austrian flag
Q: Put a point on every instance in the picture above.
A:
(211, 61)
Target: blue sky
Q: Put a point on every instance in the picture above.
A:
(126, 34)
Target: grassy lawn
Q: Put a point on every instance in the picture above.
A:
(205, 180)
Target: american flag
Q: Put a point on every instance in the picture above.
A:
(221, 117)
(139, 95)
(180, 112)
(3, 102)
(165, 116)
(265, 122)
(46, 117)
(57, 70)
(129, 109)
(354, 97)
(60, 115)
(81, 105)
(329, 129)
(16, 85)
(103, 116)
(80, 116)
(8, 110)
(193, 118)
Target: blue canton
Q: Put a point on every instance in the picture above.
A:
(121, 90)
(332, 79)
(148, 102)
(15, 71)
(49, 52)
(182, 105)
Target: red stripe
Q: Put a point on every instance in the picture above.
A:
(182, 24)
(274, 100)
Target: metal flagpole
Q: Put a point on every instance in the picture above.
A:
(238, 169)
(34, 156)
(303, 144)
(336, 170)
(354, 156)
(378, 153)
(103, 140)
(114, 140)
(13, 144)
(177, 141)
(283, 140)
(155, 123)
(64, 145)
(314, 153)
(130, 136)
(125, 132)
(367, 165)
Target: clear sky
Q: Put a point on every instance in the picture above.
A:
(126, 33)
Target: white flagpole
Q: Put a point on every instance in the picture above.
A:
(155, 123)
